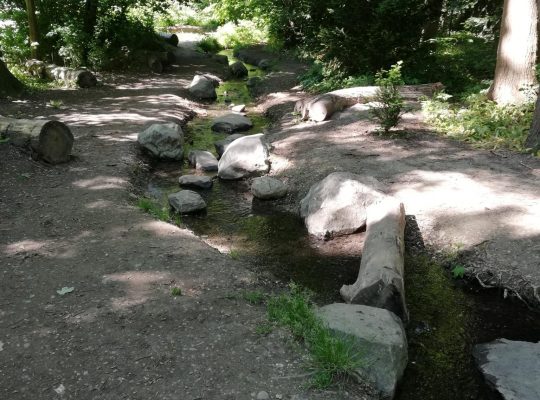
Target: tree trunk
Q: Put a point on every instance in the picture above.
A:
(33, 28)
(533, 139)
(516, 55)
(89, 24)
(9, 85)
(80, 77)
(51, 141)
(433, 20)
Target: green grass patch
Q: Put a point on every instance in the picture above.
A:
(163, 213)
(332, 357)
(480, 121)
(176, 291)
(264, 329)
(209, 44)
(32, 83)
(254, 297)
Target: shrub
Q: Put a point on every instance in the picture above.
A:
(323, 78)
(209, 44)
(389, 109)
(241, 34)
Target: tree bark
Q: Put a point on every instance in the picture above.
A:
(516, 55)
(9, 85)
(433, 20)
(33, 28)
(50, 141)
(533, 139)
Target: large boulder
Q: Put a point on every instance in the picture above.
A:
(165, 141)
(268, 188)
(230, 123)
(186, 201)
(203, 160)
(196, 181)
(221, 145)
(337, 204)
(381, 277)
(203, 87)
(238, 69)
(246, 156)
(377, 335)
(511, 368)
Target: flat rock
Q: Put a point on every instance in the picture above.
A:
(238, 69)
(511, 368)
(203, 87)
(196, 181)
(246, 156)
(239, 108)
(186, 201)
(378, 336)
(165, 141)
(265, 64)
(221, 145)
(203, 160)
(268, 188)
(231, 123)
(337, 205)
(221, 58)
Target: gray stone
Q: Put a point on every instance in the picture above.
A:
(238, 69)
(164, 141)
(203, 160)
(265, 64)
(231, 123)
(337, 204)
(268, 188)
(253, 81)
(378, 336)
(511, 367)
(196, 181)
(239, 108)
(221, 145)
(220, 58)
(186, 201)
(262, 395)
(216, 80)
(203, 87)
(246, 156)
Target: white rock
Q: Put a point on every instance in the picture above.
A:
(203, 160)
(246, 156)
(186, 201)
(239, 108)
(337, 204)
(221, 145)
(163, 141)
(378, 336)
(262, 395)
(268, 188)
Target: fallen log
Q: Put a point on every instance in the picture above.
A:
(380, 280)
(80, 77)
(36, 68)
(170, 38)
(50, 141)
(322, 107)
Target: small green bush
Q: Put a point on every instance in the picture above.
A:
(389, 109)
(481, 121)
(241, 34)
(176, 291)
(209, 45)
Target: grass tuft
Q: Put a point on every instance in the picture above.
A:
(254, 297)
(332, 357)
(176, 291)
(156, 210)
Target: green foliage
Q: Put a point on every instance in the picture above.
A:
(389, 109)
(32, 83)
(322, 78)
(209, 44)
(254, 297)
(264, 329)
(458, 272)
(241, 34)
(154, 209)
(481, 121)
(176, 291)
(179, 13)
(332, 356)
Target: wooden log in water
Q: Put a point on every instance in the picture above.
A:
(50, 141)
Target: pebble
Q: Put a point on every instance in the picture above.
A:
(262, 395)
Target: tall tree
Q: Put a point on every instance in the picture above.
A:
(533, 139)
(32, 27)
(516, 55)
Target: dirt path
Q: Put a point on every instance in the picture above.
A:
(120, 334)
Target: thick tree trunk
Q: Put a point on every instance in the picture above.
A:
(32, 27)
(50, 141)
(533, 139)
(433, 20)
(89, 23)
(80, 77)
(9, 85)
(516, 55)
(322, 107)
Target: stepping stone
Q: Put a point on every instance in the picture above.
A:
(196, 181)
(203, 160)
(203, 88)
(379, 338)
(163, 141)
(221, 145)
(268, 188)
(238, 69)
(510, 367)
(186, 201)
(245, 157)
(231, 123)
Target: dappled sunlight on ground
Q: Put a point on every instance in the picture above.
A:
(101, 183)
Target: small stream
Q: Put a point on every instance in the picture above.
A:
(448, 316)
